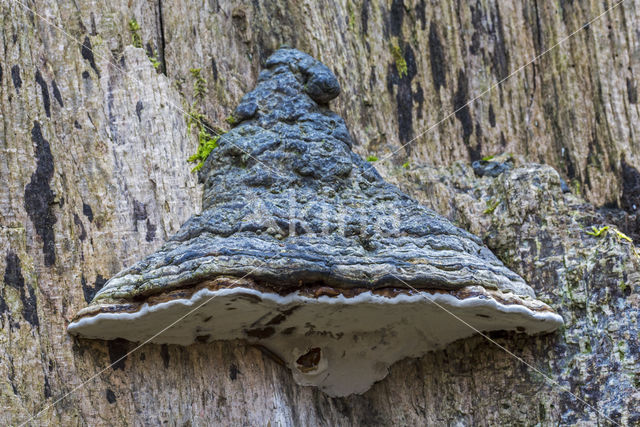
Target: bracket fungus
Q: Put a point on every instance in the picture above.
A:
(304, 249)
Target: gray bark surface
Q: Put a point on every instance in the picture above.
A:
(93, 165)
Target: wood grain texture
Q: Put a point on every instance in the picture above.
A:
(114, 184)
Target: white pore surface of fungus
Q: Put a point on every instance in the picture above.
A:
(341, 344)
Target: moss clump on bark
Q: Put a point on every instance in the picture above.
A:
(206, 144)
(207, 136)
(136, 41)
(398, 57)
(598, 231)
(134, 27)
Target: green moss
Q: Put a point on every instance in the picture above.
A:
(194, 119)
(136, 41)
(491, 206)
(231, 120)
(487, 158)
(576, 187)
(206, 144)
(406, 165)
(352, 17)
(372, 159)
(398, 57)
(597, 231)
(621, 236)
(207, 137)
(199, 84)
(621, 350)
(154, 62)
(134, 27)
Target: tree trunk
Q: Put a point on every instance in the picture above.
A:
(93, 165)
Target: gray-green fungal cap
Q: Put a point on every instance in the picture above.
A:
(301, 238)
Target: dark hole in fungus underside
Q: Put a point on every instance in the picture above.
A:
(309, 361)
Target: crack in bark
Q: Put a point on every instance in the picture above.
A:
(161, 45)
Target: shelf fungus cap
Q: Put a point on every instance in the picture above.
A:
(304, 249)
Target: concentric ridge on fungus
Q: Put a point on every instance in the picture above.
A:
(307, 251)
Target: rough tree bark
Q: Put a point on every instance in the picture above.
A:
(94, 145)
